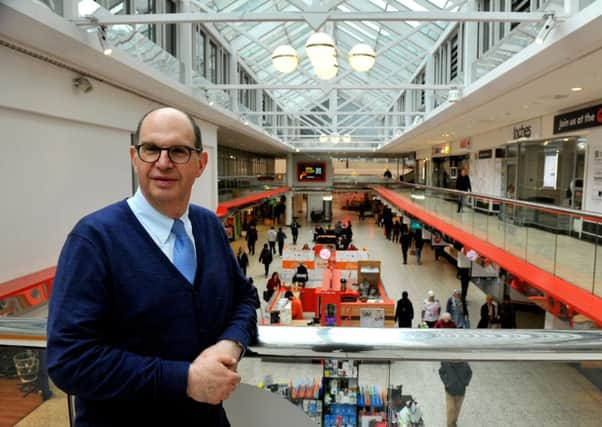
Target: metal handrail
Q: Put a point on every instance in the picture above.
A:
(596, 217)
(393, 344)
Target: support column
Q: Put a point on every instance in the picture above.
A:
(429, 79)
(70, 10)
(570, 7)
(408, 106)
(288, 220)
(185, 45)
(553, 322)
(234, 80)
(470, 44)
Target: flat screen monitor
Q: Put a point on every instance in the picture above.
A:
(311, 172)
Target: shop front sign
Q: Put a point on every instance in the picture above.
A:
(441, 149)
(579, 119)
(525, 130)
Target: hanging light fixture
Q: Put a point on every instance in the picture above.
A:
(320, 47)
(335, 138)
(327, 71)
(362, 57)
(285, 58)
(323, 138)
(347, 137)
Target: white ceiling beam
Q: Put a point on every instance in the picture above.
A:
(238, 17)
(340, 113)
(328, 87)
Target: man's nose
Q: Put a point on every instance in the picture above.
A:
(164, 161)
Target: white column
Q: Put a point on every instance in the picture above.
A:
(470, 44)
(185, 43)
(234, 80)
(408, 106)
(570, 7)
(70, 10)
(289, 209)
(429, 78)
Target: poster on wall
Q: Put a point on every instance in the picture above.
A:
(311, 172)
(596, 174)
(372, 317)
(550, 171)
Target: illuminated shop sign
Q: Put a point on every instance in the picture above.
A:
(580, 119)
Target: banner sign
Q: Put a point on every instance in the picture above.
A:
(580, 119)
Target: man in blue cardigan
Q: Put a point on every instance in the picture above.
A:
(150, 312)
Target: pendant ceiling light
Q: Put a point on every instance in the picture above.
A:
(362, 57)
(327, 71)
(285, 58)
(320, 47)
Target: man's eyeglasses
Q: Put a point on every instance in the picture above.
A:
(178, 154)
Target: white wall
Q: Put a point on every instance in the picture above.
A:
(65, 154)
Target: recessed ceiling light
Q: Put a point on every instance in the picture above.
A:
(525, 106)
(576, 89)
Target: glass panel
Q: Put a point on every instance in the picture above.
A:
(27, 397)
(437, 393)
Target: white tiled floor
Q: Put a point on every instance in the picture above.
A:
(500, 394)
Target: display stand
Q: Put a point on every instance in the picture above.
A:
(340, 393)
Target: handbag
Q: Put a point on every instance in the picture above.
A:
(412, 251)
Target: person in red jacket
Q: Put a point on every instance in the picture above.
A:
(445, 321)
(296, 306)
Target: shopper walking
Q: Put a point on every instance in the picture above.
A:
(295, 231)
(431, 310)
(464, 265)
(243, 260)
(507, 315)
(456, 377)
(445, 322)
(463, 184)
(418, 244)
(406, 241)
(280, 238)
(488, 314)
(251, 239)
(272, 236)
(455, 307)
(404, 312)
(265, 257)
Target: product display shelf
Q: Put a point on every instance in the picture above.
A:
(340, 393)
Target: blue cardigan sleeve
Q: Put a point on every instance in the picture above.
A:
(243, 321)
(81, 360)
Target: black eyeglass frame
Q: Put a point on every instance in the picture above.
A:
(190, 150)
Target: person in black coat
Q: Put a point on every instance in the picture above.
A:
(295, 231)
(243, 260)
(406, 241)
(506, 314)
(462, 184)
(404, 312)
(418, 244)
(251, 239)
(488, 313)
(265, 257)
(280, 237)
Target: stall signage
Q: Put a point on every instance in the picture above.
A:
(465, 143)
(580, 119)
(485, 154)
(441, 149)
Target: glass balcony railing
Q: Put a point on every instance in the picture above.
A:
(563, 242)
(352, 376)
(233, 187)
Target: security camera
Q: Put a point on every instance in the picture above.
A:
(82, 84)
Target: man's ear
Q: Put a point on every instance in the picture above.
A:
(204, 158)
(133, 157)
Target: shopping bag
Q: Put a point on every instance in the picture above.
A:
(412, 251)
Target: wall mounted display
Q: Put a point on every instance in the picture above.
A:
(311, 172)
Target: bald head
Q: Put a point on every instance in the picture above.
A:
(169, 112)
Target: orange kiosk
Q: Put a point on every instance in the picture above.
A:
(339, 305)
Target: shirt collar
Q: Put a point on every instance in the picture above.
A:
(159, 223)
